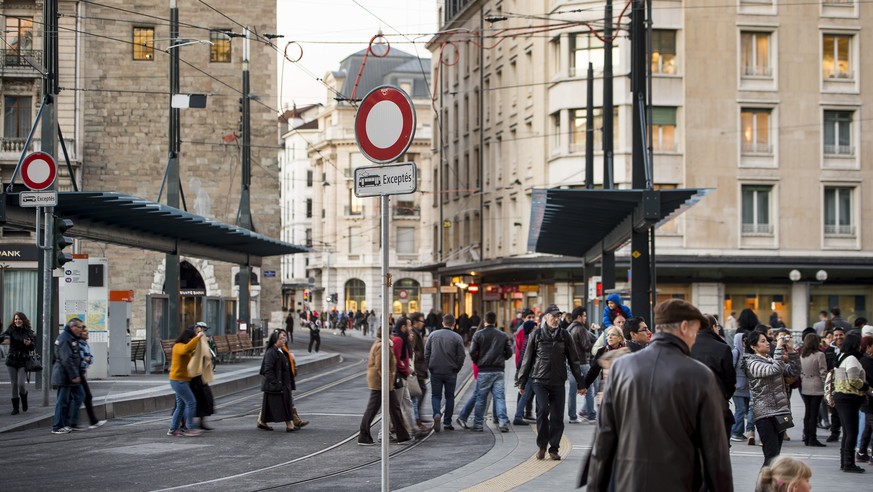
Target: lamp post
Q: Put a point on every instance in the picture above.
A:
(801, 299)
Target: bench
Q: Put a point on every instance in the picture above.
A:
(222, 348)
(247, 346)
(167, 346)
(138, 352)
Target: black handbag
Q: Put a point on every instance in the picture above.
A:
(784, 422)
(33, 362)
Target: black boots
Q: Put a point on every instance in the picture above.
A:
(15, 406)
(24, 402)
(847, 463)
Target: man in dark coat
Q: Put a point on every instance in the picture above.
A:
(66, 376)
(715, 354)
(655, 396)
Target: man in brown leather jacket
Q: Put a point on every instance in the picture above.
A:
(661, 421)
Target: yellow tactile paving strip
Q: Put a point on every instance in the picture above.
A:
(524, 472)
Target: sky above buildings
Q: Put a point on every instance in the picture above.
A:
(329, 30)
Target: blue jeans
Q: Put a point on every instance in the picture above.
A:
(588, 407)
(471, 404)
(522, 402)
(184, 402)
(67, 406)
(741, 405)
(438, 384)
(491, 382)
(571, 395)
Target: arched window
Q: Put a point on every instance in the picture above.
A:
(407, 296)
(356, 295)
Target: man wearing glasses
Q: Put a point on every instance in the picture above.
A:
(548, 352)
(637, 333)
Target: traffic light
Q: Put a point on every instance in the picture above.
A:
(60, 241)
(306, 295)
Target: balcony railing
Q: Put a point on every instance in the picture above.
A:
(755, 71)
(757, 148)
(840, 150)
(838, 74)
(27, 59)
(402, 210)
(11, 148)
(839, 230)
(760, 229)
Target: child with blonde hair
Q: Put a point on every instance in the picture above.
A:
(785, 474)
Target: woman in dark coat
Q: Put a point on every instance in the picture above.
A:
(20, 337)
(276, 385)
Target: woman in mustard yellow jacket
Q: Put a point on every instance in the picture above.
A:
(180, 381)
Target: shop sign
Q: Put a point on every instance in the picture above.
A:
(18, 252)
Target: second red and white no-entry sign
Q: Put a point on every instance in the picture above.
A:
(385, 124)
(38, 171)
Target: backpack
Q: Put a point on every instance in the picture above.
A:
(829, 389)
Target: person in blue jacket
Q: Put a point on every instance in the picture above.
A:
(613, 308)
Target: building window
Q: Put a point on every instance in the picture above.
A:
(838, 212)
(755, 54)
(308, 238)
(406, 85)
(838, 133)
(355, 206)
(16, 116)
(407, 296)
(143, 43)
(836, 61)
(309, 179)
(664, 52)
(756, 210)
(579, 119)
(356, 295)
(585, 48)
(219, 50)
(405, 240)
(309, 208)
(19, 41)
(755, 131)
(663, 129)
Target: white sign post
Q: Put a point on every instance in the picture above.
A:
(384, 129)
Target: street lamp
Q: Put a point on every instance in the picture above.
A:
(821, 275)
(794, 275)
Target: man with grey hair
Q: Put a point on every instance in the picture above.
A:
(661, 395)
(444, 356)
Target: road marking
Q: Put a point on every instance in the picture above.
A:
(523, 473)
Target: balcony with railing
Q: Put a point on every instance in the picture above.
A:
(831, 74)
(758, 148)
(839, 230)
(406, 210)
(11, 148)
(839, 150)
(22, 62)
(758, 229)
(756, 71)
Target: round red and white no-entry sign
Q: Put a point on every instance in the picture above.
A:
(38, 171)
(385, 124)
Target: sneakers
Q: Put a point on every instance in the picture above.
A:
(587, 420)
(174, 433)
(191, 432)
(99, 423)
(62, 430)
(519, 422)
(405, 441)
(77, 429)
(504, 429)
(461, 423)
(366, 442)
(437, 419)
(737, 438)
(574, 421)
(477, 429)
(862, 457)
(448, 427)
(751, 440)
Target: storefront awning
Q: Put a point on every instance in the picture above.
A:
(127, 220)
(584, 223)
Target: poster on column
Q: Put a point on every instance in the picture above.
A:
(74, 289)
(98, 298)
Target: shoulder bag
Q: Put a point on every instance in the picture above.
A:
(33, 362)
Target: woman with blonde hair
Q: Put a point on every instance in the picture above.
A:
(784, 474)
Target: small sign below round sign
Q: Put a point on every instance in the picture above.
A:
(385, 124)
(38, 171)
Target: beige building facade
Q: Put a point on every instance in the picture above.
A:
(763, 104)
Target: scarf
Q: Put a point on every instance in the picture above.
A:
(406, 349)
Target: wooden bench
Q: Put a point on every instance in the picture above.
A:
(167, 346)
(222, 348)
(138, 352)
(247, 346)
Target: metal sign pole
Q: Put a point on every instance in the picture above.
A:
(46, 320)
(387, 384)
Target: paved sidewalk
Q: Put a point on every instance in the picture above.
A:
(121, 396)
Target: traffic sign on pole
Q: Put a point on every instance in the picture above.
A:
(385, 124)
(38, 171)
(391, 179)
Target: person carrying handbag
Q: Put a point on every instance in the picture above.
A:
(20, 337)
